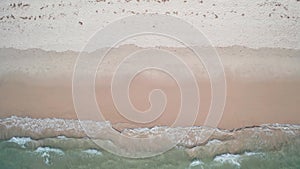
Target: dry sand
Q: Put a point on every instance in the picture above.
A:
(263, 86)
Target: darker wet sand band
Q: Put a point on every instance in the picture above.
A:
(263, 86)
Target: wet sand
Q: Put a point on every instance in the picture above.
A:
(263, 86)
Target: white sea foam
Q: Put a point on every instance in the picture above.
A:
(20, 140)
(228, 158)
(62, 137)
(193, 142)
(235, 159)
(196, 163)
(213, 142)
(48, 127)
(48, 149)
(253, 153)
(92, 152)
(45, 153)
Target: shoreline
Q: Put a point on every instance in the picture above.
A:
(67, 134)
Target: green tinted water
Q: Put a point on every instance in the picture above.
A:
(18, 156)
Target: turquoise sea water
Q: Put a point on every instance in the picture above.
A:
(15, 154)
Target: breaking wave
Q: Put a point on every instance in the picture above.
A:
(223, 145)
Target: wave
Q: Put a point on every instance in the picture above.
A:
(92, 152)
(20, 140)
(46, 153)
(232, 160)
(228, 158)
(195, 163)
(68, 134)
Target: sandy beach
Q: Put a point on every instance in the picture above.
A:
(258, 44)
(262, 86)
(156, 98)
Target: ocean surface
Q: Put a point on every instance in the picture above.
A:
(27, 143)
(14, 154)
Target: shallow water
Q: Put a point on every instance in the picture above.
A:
(58, 143)
(17, 153)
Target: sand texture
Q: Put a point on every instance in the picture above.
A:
(263, 86)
